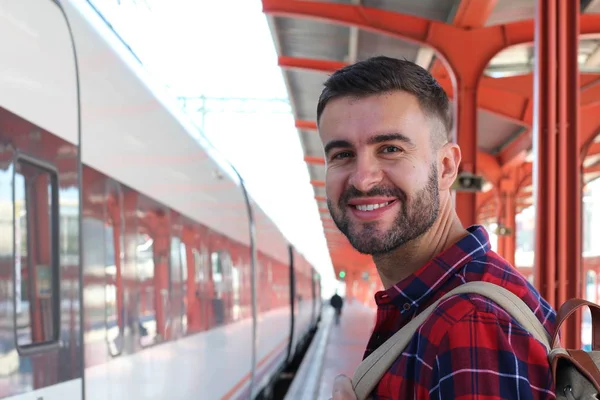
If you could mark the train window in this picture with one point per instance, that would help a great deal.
(175, 271)
(36, 254)
(198, 270)
(69, 237)
(217, 267)
(113, 328)
(146, 306)
(201, 264)
(184, 264)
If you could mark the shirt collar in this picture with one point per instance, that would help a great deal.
(418, 288)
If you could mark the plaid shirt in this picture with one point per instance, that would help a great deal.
(469, 348)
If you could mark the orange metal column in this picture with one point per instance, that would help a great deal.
(509, 220)
(466, 125)
(569, 173)
(500, 217)
(556, 170)
(508, 193)
(544, 146)
(507, 241)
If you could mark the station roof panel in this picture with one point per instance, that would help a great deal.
(372, 44)
(306, 86)
(511, 11)
(308, 38)
(493, 132)
(437, 10)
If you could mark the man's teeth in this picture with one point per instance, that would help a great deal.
(370, 207)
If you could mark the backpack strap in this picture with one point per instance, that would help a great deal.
(370, 371)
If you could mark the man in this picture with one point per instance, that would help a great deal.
(337, 303)
(386, 127)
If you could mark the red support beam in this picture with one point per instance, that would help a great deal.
(558, 163)
(471, 14)
(569, 165)
(311, 64)
(593, 149)
(546, 224)
(314, 160)
(592, 169)
(545, 260)
(590, 125)
(306, 125)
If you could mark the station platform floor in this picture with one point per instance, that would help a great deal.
(335, 350)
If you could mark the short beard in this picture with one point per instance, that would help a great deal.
(417, 215)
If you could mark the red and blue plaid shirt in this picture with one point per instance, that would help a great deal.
(469, 348)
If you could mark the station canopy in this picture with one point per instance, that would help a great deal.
(314, 38)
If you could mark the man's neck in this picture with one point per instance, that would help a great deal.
(400, 263)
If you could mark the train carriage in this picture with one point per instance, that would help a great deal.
(133, 261)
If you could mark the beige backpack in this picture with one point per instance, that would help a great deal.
(575, 372)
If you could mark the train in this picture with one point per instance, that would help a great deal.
(133, 261)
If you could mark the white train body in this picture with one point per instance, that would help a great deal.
(133, 263)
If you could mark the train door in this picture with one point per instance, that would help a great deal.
(203, 288)
(152, 262)
(220, 261)
(192, 304)
(237, 282)
(108, 310)
(178, 275)
(119, 316)
(40, 313)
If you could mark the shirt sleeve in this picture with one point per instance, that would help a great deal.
(485, 356)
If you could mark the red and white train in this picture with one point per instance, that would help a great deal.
(133, 263)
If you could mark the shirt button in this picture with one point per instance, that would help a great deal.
(406, 306)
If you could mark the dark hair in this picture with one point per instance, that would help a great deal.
(384, 74)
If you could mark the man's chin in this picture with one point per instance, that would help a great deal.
(371, 244)
(371, 249)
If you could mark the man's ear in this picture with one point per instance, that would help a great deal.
(449, 157)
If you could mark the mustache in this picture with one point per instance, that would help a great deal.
(382, 191)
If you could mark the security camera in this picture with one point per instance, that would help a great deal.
(503, 230)
(468, 182)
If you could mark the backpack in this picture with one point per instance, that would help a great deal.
(576, 372)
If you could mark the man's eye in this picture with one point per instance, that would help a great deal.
(391, 149)
(341, 155)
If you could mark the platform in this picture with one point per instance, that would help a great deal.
(335, 350)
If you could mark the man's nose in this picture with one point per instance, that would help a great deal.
(366, 175)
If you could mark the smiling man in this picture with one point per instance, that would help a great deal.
(386, 127)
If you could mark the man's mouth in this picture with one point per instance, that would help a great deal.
(371, 207)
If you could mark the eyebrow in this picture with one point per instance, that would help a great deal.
(337, 144)
(373, 140)
(388, 137)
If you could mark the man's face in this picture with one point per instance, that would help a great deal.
(382, 179)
